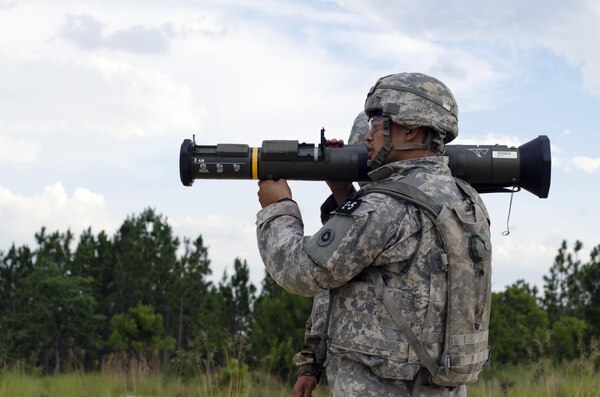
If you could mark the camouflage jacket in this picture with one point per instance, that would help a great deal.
(376, 230)
(307, 360)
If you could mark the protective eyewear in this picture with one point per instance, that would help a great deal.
(375, 122)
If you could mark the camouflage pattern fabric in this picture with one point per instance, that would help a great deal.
(377, 231)
(348, 378)
(415, 100)
(314, 331)
(379, 224)
(360, 126)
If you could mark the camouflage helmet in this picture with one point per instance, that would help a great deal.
(359, 130)
(415, 100)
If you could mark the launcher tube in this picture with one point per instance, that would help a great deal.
(488, 168)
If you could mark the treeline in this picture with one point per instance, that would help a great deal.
(145, 295)
(141, 294)
(561, 323)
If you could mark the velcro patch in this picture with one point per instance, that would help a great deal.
(349, 207)
(321, 246)
(326, 237)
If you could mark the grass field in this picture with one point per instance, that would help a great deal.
(573, 379)
(578, 378)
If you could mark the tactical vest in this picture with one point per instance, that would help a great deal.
(445, 332)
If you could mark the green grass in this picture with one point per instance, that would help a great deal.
(543, 379)
(578, 378)
(78, 384)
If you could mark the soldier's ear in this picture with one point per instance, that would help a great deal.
(410, 134)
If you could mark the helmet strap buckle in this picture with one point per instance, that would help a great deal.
(381, 157)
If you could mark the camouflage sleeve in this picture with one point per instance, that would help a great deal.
(307, 360)
(280, 235)
(308, 351)
(348, 243)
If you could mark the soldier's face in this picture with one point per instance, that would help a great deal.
(374, 137)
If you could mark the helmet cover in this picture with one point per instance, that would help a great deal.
(415, 100)
(359, 129)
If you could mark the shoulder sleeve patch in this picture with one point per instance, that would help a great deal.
(349, 207)
(323, 244)
(325, 237)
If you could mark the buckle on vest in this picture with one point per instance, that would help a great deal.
(439, 261)
(446, 362)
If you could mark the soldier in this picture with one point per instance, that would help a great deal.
(376, 246)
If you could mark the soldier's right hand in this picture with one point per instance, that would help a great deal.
(270, 192)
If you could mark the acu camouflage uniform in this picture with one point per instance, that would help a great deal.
(368, 355)
(381, 231)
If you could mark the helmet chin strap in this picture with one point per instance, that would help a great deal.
(381, 157)
(388, 146)
(384, 152)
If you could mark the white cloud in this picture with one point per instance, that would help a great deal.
(587, 164)
(510, 26)
(88, 33)
(513, 260)
(490, 139)
(531, 259)
(93, 95)
(572, 36)
(251, 82)
(18, 150)
(22, 216)
(7, 3)
(143, 101)
(86, 196)
(477, 82)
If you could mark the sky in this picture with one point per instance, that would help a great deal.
(96, 98)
